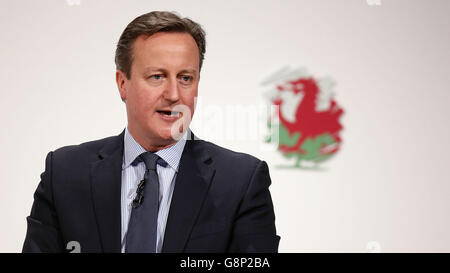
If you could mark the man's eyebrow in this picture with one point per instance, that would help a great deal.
(153, 69)
(192, 71)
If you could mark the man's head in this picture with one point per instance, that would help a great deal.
(158, 58)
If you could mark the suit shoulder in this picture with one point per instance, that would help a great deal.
(235, 169)
(82, 149)
(230, 156)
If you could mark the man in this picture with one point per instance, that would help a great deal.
(154, 187)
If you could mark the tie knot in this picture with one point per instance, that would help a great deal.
(150, 159)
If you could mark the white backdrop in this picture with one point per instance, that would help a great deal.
(387, 189)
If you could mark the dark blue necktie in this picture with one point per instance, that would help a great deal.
(142, 228)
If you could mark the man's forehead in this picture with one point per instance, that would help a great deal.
(169, 52)
(181, 37)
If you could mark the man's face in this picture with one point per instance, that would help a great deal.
(164, 74)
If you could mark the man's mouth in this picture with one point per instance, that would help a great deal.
(169, 114)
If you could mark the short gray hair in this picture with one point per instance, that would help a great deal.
(149, 24)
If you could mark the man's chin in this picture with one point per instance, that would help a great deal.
(172, 136)
(165, 134)
(168, 135)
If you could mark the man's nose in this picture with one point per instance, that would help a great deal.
(171, 91)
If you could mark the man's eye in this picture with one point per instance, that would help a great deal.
(186, 78)
(155, 77)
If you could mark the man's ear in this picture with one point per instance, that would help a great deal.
(121, 80)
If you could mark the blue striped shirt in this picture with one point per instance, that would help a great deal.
(131, 175)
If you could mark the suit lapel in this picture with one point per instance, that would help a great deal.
(105, 188)
(191, 185)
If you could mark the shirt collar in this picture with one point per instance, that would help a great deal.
(133, 149)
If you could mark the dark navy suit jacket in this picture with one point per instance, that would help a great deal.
(221, 201)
